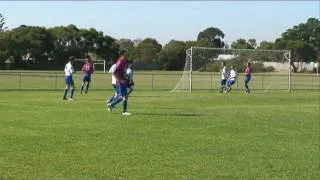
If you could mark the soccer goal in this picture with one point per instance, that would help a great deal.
(271, 68)
(95, 63)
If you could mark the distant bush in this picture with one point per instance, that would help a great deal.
(239, 66)
(211, 67)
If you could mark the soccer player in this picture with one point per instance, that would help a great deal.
(232, 79)
(224, 76)
(68, 71)
(113, 83)
(119, 74)
(87, 70)
(130, 82)
(247, 77)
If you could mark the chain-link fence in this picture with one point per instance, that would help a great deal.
(44, 80)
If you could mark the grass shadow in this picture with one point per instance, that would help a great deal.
(168, 114)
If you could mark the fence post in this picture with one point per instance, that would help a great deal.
(312, 81)
(20, 81)
(262, 81)
(152, 81)
(318, 82)
(56, 82)
(211, 82)
(237, 83)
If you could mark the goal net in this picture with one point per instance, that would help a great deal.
(97, 64)
(271, 68)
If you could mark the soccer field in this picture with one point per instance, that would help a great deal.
(203, 135)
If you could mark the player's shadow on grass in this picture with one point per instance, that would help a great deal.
(169, 114)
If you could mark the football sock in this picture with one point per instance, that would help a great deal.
(124, 106)
(81, 89)
(115, 100)
(65, 93)
(130, 90)
(71, 93)
(87, 88)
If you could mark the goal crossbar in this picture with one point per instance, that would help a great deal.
(261, 50)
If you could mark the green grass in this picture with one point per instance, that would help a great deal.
(203, 135)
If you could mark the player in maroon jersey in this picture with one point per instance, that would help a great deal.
(87, 70)
(120, 74)
(247, 77)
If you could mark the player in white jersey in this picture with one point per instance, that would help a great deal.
(129, 74)
(113, 83)
(224, 76)
(68, 71)
(232, 79)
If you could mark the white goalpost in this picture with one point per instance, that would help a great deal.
(100, 62)
(95, 63)
(202, 65)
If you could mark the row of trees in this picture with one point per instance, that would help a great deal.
(50, 47)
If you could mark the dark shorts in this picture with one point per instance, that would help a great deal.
(115, 89)
(122, 89)
(86, 78)
(223, 82)
(247, 79)
(68, 80)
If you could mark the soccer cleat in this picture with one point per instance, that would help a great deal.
(64, 98)
(71, 99)
(126, 114)
(109, 107)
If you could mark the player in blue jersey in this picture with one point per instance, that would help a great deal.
(68, 71)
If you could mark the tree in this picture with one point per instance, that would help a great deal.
(308, 32)
(303, 40)
(107, 48)
(136, 42)
(211, 37)
(265, 45)
(31, 39)
(87, 39)
(80, 42)
(68, 41)
(252, 43)
(173, 55)
(189, 44)
(244, 44)
(5, 45)
(300, 51)
(56, 44)
(147, 51)
(125, 44)
(2, 23)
